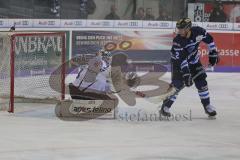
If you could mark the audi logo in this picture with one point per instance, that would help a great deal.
(164, 24)
(25, 23)
(223, 26)
(133, 23)
(51, 22)
(78, 23)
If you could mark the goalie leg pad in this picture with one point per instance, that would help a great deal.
(78, 94)
(72, 110)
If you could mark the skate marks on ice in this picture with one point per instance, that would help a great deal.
(161, 158)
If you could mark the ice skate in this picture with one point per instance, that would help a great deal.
(165, 111)
(210, 111)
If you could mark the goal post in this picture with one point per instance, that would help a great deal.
(27, 61)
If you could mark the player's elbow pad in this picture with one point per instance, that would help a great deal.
(208, 38)
(211, 46)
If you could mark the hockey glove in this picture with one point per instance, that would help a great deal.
(187, 78)
(213, 58)
(132, 79)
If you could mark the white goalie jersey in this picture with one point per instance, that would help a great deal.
(94, 76)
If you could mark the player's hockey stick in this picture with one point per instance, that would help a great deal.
(170, 92)
(157, 99)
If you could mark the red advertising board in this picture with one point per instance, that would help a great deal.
(228, 47)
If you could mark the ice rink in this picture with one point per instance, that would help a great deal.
(36, 134)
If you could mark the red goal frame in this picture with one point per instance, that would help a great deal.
(12, 63)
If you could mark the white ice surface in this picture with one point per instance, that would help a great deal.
(36, 134)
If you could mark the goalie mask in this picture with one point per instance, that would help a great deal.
(183, 27)
(106, 55)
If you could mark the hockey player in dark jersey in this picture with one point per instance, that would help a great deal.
(186, 66)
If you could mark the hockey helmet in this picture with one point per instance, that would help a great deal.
(183, 27)
(184, 23)
(105, 53)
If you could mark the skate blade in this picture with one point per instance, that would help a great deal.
(164, 115)
(212, 117)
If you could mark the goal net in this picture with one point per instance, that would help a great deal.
(30, 67)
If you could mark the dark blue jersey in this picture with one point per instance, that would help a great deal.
(185, 50)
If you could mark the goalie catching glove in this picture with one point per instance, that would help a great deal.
(213, 58)
(132, 79)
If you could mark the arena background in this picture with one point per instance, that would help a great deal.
(150, 39)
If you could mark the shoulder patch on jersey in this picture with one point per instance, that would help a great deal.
(199, 38)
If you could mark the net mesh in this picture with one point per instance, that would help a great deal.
(36, 57)
(4, 70)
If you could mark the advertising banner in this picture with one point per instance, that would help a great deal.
(152, 46)
(100, 23)
(228, 47)
(217, 26)
(3, 23)
(21, 23)
(196, 12)
(157, 24)
(128, 24)
(49, 23)
(138, 45)
(73, 23)
(201, 12)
